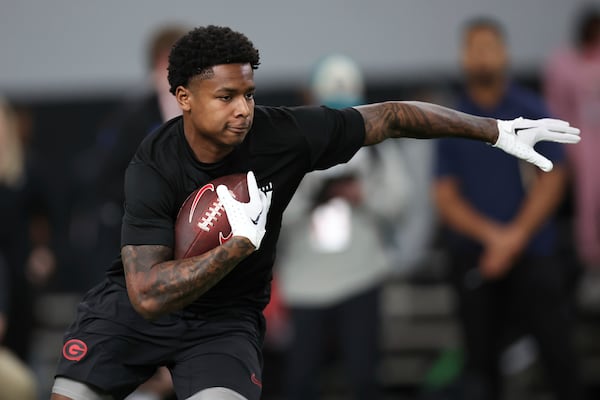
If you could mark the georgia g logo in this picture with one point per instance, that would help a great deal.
(74, 350)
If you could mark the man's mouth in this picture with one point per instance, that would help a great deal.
(239, 128)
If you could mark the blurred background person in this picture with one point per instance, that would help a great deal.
(25, 237)
(122, 132)
(572, 83)
(501, 236)
(117, 141)
(333, 259)
(26, 258)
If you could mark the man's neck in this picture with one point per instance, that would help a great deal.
(204, 150)
(487, 96)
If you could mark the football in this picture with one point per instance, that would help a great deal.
(202, 223)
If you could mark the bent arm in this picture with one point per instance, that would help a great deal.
(157, 284)
(458, 213)
(542, 201)
(423, 120)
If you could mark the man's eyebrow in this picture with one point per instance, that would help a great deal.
(234, 90)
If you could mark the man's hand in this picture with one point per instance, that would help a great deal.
(247, 219)
(41, 264)
(517, 137)
(502, 246)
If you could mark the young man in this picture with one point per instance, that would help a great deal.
(501, 244)
(202, 316)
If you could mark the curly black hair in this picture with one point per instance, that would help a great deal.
(204, 47)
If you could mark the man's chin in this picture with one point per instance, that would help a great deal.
(485, 79)
(234, 138)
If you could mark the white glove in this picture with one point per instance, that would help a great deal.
(517, 137)
(247, 219)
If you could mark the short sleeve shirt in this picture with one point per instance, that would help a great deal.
(490, 180)
(282, 146)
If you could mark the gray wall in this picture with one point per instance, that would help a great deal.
(67, 46)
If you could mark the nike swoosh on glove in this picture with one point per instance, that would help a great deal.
(517, 137)
(247, 219)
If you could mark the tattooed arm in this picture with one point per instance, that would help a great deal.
(157, 284)
(423, 120)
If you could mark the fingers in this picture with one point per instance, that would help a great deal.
(566, 129)
(252, 185)
(569, 130)
(247, 219)
(253, 191)
(518, 137)
(257, 196)
(223, 193)
(521, 123)
(558, 137)
(539, 133)
(267, 201)
(540, 161)
(551, 124)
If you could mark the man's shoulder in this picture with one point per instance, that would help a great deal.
(529, 101)
(307, 118)
(523, 92)
(284, 121)
(281, 113)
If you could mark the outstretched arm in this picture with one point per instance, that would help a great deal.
(424, 120)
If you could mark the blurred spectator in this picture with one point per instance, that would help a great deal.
(26, 261)
(501, 234)
(123, 131)
(24, 232)
(572, 85)
(117, 141)
(333, 258)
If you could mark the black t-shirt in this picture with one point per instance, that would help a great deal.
(282, 146)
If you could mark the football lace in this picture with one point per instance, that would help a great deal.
(210, 216)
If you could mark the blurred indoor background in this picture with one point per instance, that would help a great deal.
(67, 67)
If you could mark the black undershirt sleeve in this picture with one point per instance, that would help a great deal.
(149, 202)
(333, 136)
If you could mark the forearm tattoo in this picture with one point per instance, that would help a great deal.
(423, 120)
(154, 279)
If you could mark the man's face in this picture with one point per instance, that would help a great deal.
(160, 74)
(484, 56)
(220, 104)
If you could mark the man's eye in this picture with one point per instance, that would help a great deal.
(250, 96)
(225, 98)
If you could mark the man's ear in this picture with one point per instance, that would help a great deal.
(182, 95)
